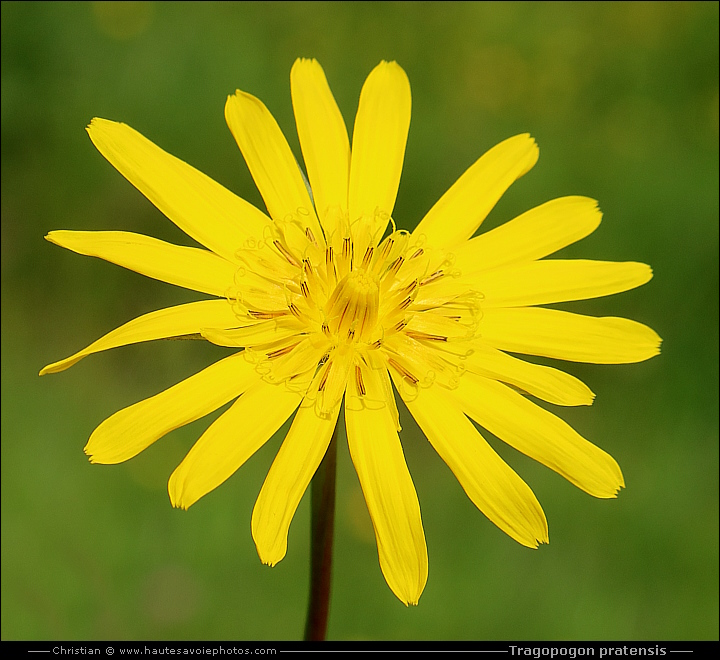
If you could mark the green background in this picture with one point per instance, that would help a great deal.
(623, 100)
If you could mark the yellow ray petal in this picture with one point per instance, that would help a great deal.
(388, 489)
(323, 139)
(263, 332)
(288, 478)
(133, 429)
(533, 235)
(233, 438)
(270, 161)
(567, 336)
(488, 481)
(169, 322)
(460, 211)
(558, 280)
(192, 268)
(539, 434)
(546, 383)
(202, 208)
(378, 145)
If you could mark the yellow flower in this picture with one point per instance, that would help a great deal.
(327, 304)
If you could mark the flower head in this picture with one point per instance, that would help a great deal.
(327, 301)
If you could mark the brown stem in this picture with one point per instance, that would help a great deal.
(323, 518)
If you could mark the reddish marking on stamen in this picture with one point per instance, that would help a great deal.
(324, 377)
(414, 334)
(418, 252)
(286, 253)
(342, 315)
(405, 373)
(310, 236)
(329, 263)
(294, 310)
(431, 278)
(395, 265)
(266, 316)
(359, 381)
(367, 258)
(410, 287)
(387, 247)
(405, 303)
(280, 352)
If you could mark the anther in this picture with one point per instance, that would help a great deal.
(280, 352)
(310, 236)
(414, 334)
(387, 247)
(367, 258)
(431, 278)
(410, 287)
(266, 316)
(324, 377)
(330, 264)
(286, 253)
(395, 266)
(405, 373)
(417, 253)
(359, 380)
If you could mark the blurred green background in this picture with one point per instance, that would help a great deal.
(623, 100)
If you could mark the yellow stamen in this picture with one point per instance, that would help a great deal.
(403, 371)
(367, 258)
(359, 380)
(265, 316)
(431, 278)
(424, 335)
(280, 351)
(286, 253)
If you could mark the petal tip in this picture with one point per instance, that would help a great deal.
(178, 504)
(99, 129)
(175, 492)
(52, 237)
(92, 454)
(309, 62)
(391, 68)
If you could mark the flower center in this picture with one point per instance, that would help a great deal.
(352, 310)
